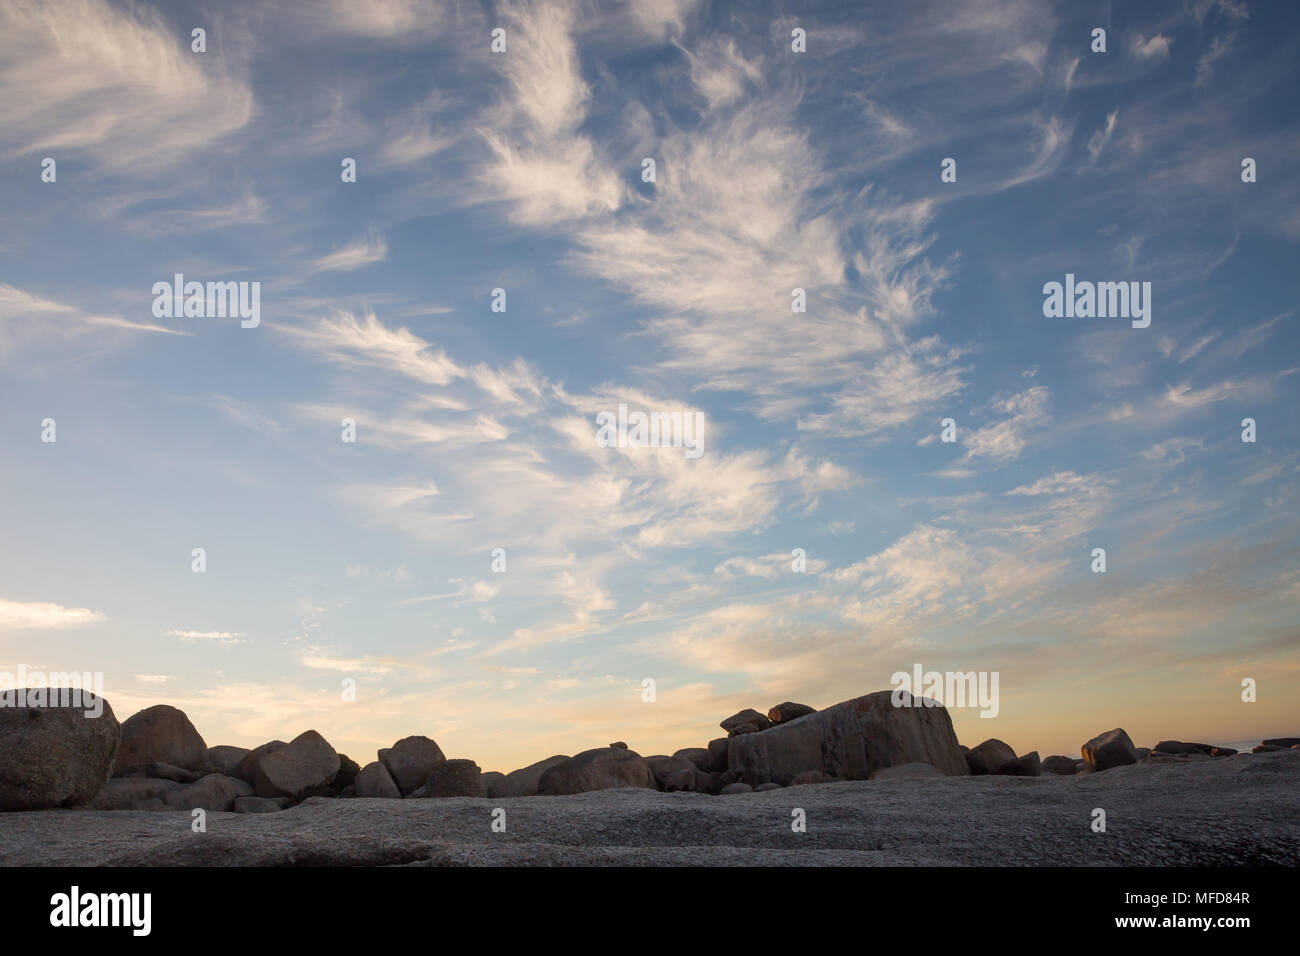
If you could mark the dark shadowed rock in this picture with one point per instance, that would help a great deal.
(619, 744)
(673, 773)
(258, 804)
(224, 759)
(718, 750)
(1144, 752)
(54, 755)
(1111, 749)
(494, 783)
(749, 717)
(1027, 766)
(849, 741)
(906, 771)
(605, 768)
(453, 778)
(699, 756)
(214, 792)
(302, 768)
(708, 782)
(129, 793)
(764, 787)
(347, 774)
(810, 777)
(1060, 765)
(989, 757)
(1179, 747)
(788, 711)
(160, 734)
(161, 771)
(523, 782)
(736, 788)
(1262, 749)
(246, 769)
(410, 762)
(374, 780)
(1284, 742)
(1226, 751)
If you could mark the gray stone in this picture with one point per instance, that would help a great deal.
(907, 771)
(347, 775)
(736, 788)
(54, 756)
(246, 769)
(410, 762)
(224, 759)
(990, 757)
(160, 734)
(373, 780)
(523, 782)
(718, 750)
(764, 787)
(298, 770)
(130, 793)
(494, 783)
(849, 741)
(453, 778)
(1057, 764)
(747, 716)
(258, 804)
(810, 777)
(605, 768)
(700, 756)
(1111, 749)
(215, 792)
(162, 771)
(673, 774)
(788, 711)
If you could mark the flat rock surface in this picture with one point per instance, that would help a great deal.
(1233, 811)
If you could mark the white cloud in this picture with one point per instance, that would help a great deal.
(44, 616)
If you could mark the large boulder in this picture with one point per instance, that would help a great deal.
(374, 780)
(673, 773)
(494, 783)
(605, 768)
(788, 711)
(160, 734)
(1060, 765)
(718, 751)
(1179, 747)
(1030, 765)
(410, 761)
(523, 782)
(214, 792)
(990, 757)
(1284, 742)
(849, 741)
(224, 759)
(453, 778)
(748, 717)
(699, 756)
(347, 774)
(246, 769)
(1114, 748)
(53, 754)
(302, 768)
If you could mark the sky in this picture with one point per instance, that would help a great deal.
(368, 564)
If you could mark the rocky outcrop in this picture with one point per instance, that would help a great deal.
(1111, 749)
(849, 741)
(605, 768)
(300, 769)
(374, 780)
(54, 755)
(494, 783)
(215, 792)
(246, 769)
(990, 757)
(672, 774)
(225, 759)
(906, 771)
(524, 781)
(747, 721)
(788, 711)
(1060, 765)
(131, 793)
(160, 734)
(452, 778)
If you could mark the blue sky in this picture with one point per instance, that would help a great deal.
(775, 170)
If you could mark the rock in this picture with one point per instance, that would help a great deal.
(784, 713)
(411, 761)
(1027, 766)
(128, 793)
(1226, 751)
(764, 787)
(1286, 743)
(453, 778)
(214, 792)
(906, 771)
(161, 771)
(347, 774)
(736, 788)
(718, 750)
(990, 757)
(494, 783)
(605, 768)
(1111, 749)
(849, 741)
(810, 777)
(523, 782)
(348, 792)
(258, 804)
(302, 768)
(1061, 765)
(708, 782)
(746, 716)
(160, 734)
(1178, 747)
(225, 759)
(1267, 748)
(246, 769)
(373, 780)
(673, 773)
(699, 756)
(619, 744)
(743, 729)
(53, 755)
(728, 777)
(1142, 752)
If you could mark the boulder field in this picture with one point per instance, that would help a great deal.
(60, 757)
